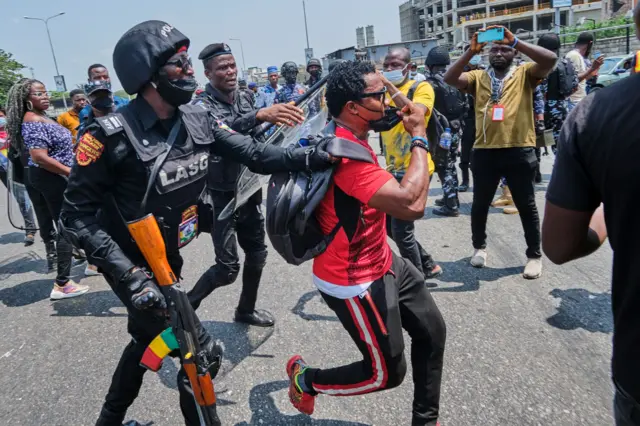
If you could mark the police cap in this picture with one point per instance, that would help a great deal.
(96, 86)
(213, 50)
(439, 55)
(142, 50)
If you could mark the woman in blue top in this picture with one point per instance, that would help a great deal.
(50, 150)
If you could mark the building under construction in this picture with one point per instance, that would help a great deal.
(453, 21)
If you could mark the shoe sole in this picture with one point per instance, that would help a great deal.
(532, 277)
(68, 295)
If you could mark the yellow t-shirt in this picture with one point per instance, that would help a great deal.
(397, 141)
(517, 128)
(71, 121)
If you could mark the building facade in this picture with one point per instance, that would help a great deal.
(454, 21)
(376, 53)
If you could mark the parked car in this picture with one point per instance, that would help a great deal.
(613, 69)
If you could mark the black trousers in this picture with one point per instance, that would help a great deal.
(143, 326)
(45, 220)
(51, 187)
(374, 320)
(625, 408)
(402, 232)
(518, 166)
(244, 228)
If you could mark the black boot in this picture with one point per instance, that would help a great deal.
(465, 180)
(440, 202)
(109, 418)
(246, 311)
(52, 256)
(449, 209)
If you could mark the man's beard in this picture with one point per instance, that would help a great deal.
(501, 66)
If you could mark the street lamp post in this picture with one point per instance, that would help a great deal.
(244, 66)
(55, 62)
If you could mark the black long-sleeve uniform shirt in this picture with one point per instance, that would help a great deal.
(114, 170)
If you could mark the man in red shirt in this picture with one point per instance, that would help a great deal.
(374, 292)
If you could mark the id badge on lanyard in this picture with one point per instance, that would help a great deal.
(497, 113)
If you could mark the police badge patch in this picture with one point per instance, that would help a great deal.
(89, 150)
(222, 125)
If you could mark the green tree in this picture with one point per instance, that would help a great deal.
(9, 74)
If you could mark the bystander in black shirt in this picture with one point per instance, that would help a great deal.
(597, 162)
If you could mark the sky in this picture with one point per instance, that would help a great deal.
(272, 32)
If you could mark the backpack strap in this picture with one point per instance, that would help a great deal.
(343, 148)
(412, 90)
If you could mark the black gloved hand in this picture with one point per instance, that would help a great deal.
(144, 292)
(314, 156)
(540, 128)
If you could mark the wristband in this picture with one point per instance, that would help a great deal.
(419, 141)
(515, 43)
(396, 94)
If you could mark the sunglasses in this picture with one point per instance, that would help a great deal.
(380, 94)
(183, 62)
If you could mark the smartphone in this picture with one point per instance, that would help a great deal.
(491, 35)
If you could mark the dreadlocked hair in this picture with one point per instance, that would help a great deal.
(16, 108)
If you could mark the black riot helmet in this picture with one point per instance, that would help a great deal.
(143, 50)
(314, 61)
(439, 55)
(289, 72)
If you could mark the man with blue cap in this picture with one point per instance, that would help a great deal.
(266, 95)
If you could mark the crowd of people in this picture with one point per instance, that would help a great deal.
(81, 175)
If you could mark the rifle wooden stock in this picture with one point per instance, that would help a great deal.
(146, 233)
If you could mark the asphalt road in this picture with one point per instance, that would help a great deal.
(518, 352)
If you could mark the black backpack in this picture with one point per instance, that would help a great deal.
(562, 81)
(292, 198)
(450, 101)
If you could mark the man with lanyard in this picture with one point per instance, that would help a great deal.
(266, 95)
(505, 139)
(291, 90)
(396, 142)
(223, 97)
(156, 134)
(452, 104)
(374, 293)
(98, 73)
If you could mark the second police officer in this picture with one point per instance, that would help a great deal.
(111, 177)
(291, 90)
(246, 226)
(449, 102)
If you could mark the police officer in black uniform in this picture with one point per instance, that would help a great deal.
(223, 97)
(449, 102)
(156, 134)
(469, 133)
(314, 68)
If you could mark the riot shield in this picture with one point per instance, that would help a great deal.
(316, 113)
(19, 207)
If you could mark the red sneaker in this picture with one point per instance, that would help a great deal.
(303, 401)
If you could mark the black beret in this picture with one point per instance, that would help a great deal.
(142, 50)
(215, 49)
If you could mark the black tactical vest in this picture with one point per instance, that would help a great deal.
(175, 194)
(224, 173)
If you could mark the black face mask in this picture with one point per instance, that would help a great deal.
(387, 122)
(176, 92)
(315, 74)
(103, 104)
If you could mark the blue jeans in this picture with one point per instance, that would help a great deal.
(19, 193)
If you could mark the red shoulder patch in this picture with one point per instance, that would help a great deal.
(89, 149)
